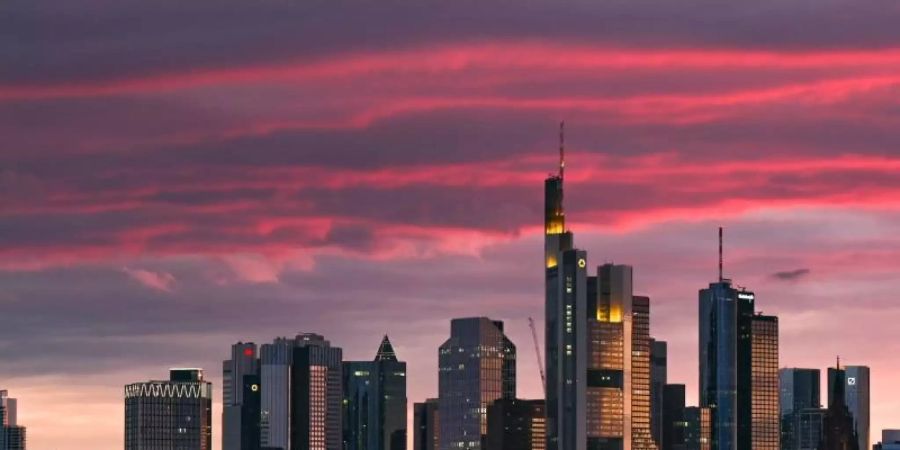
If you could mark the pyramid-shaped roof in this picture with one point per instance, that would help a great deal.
(385, 351)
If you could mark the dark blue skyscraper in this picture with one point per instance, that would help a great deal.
(477, 365)
(375, 402)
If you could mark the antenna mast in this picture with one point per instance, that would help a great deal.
(562, 148)
(720, 255)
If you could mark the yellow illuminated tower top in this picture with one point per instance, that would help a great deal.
(556, 238)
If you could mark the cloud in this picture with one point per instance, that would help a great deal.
(155, 280)
(791, 275)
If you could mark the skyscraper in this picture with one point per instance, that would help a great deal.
(658, 380)
(641, 436)
(838, 430)
(426, 425)
(738, 352)
(516, 424)
(375, 402)
(275, 399)
(315, 394)
(565, 316)
(800, 408)
(890, 440)
(856, 397)
(673, 423)
(477, 365)
(698, 423)
(766, 419)
(172, 414)
(240, 416)
(597, 344)
(12, 435)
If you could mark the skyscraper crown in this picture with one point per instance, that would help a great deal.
(385, 351)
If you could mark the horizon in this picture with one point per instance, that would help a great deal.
(175, 178)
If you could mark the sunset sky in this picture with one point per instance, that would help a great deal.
(177, 176)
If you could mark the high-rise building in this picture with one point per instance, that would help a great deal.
(315, 394)
(738, 352)
(641, 432)
(838, 430)
(673, 423)
(12, 435)
(477, 365)
(171, 414)
(240, 416)
(658, 380)
(426, 425)
(597, 344)
(375, 402)
(698, 422)
(800, 406)
(564, 331)
(766, 419)
(515, 424)
(275, 399)
(856, 397)
(890, 440)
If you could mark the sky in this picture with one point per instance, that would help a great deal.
(179, 176)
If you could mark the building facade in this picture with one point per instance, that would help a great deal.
(658, 380)
(516, 424)
(316, 394)
(12, 435)
(175, 414)
(240, 416)
(426, 425)
(856, 397)
(838, 425)
(477, 365)
(765, 412)
(375, 402)
(800, 406)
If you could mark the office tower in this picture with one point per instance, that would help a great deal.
(838, 431)
(673, 423)
(315, 394)
(171, 414)
(658, 380)
(766, 418)
(565, 322)
(800, 408)
(698, 423)
(375, 402)
(515, 424)
(426, 425)
(738, 351)
(641, 435)
(240, 417)
(856, 397)
(477, 365)
(890, 440)
(275, 378)
(12, 435)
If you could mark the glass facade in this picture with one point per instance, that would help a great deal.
(426, 425)
(476, 367)
(515, 424)
(169, 415)
(766, 418)
(375, 402)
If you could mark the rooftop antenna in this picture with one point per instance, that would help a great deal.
(720, 255)
(562, 148)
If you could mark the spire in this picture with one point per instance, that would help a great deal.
(385, 351)
(562, 148)
(720, 256)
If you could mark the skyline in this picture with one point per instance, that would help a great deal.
(210, 174)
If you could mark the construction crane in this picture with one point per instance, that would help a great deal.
(537, 351)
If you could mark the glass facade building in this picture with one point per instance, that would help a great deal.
(856, 397)
(515, 424)
(766, 417)
(375, 402)
(476, 366)
(426, 425)
(658, 380)
(800, 405)
(240, 416)
(316, 395)
(169, 415)
(12, 435)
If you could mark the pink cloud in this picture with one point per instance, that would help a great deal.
(161, 281)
